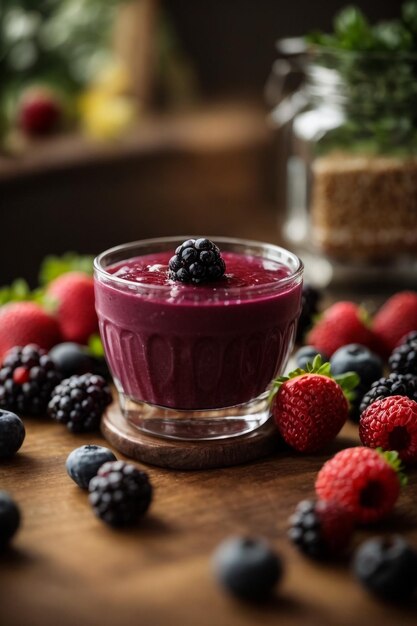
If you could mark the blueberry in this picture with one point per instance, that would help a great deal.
(387, 567)
(247, 567)
(12, 434)
(9, 518)
(83, 463)
(306, 354)
(356, 358)
(71, 358)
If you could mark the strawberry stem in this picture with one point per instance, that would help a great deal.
(347, 381)
(393, 459)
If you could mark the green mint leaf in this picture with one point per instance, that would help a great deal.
(54, 266)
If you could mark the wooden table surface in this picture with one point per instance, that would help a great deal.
(67, 568)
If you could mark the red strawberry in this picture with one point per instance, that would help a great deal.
(395, 319)
(73, 294)
(26, 322)
(310, 407)
(322, 528)
(391, 424)
(366, 482)
(341, 324)
(40, 112)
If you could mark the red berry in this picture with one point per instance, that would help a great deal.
(40, 112)
(337, 526)
(21, 375)
(73, 293)
(341, 324)
(22, 323)
(321, 528)
(309, 411)
(395, 319)
(391, 424)
(361, 480)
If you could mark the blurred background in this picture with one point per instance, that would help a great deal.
(121, 120)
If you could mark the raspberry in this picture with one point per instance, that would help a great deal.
(79, 402)
(27, 379)
(120, 493)
(392, 385)
(391, 424)
(403, 360)
(321, 529)
(247, 567)
(363, 481)
(196, 261)
(387, 567)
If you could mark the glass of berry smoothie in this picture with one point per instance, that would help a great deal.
(195, 331)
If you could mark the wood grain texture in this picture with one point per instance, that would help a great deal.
(67, 568)
(186, 455)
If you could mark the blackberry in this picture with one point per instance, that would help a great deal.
(12, 434)
(403, 359)
(196, 261)
(387, 567)
(27, 379)
(321, 529)
(79, 402)
(83, 463)
(120, 493)
(393, 385)
(9, 518)
(247, 567)
(310, 300)
(409, 338)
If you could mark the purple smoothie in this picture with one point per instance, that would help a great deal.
(197, 347)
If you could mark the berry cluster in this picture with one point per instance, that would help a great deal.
(27, 378)
(196, 261)
(119, 492)
(358, 485)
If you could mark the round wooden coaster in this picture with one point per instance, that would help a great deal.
(186, 455)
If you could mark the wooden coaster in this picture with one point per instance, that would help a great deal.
(186, 455)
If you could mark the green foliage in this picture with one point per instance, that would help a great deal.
(18, 291)
(393, 459)
(53, 266)
(57, 42)
(377, 67)
(95, 346)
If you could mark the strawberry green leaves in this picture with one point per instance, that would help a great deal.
(348, 381)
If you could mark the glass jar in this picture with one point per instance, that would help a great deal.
(349, 141)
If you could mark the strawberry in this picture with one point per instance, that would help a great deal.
(365, 481)
(321, 528)
(22, 323)
(341, 324)
(310, 407)
(391, 424)
(73, 295)
(395, 319)
(40, 112)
